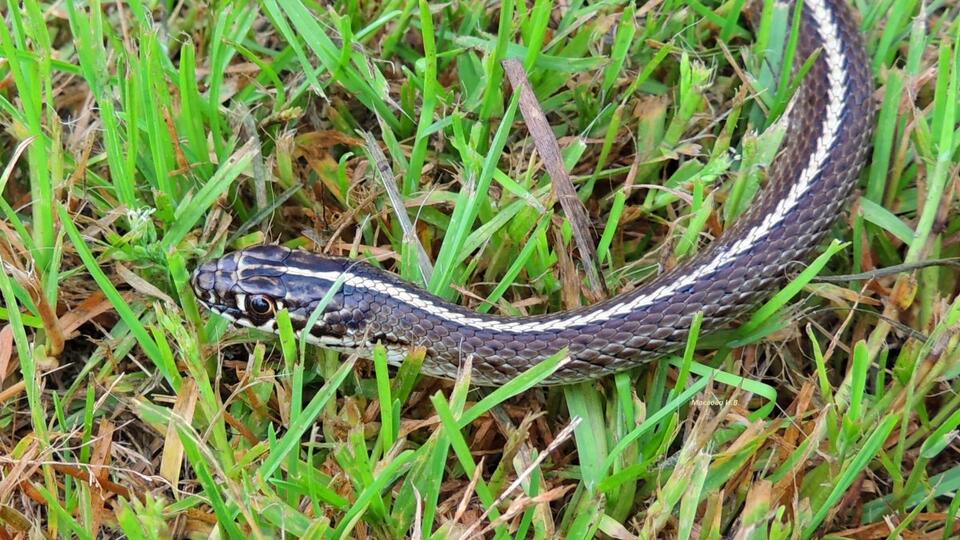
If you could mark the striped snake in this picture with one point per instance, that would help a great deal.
(829, 125)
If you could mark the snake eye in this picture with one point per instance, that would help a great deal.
(260, 305)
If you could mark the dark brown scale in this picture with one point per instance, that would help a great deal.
(599, 348)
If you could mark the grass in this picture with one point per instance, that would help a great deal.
(143, 137)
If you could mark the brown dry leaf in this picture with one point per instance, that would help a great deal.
(690, 149)
(6, 350)
(749, 437)
(104, 485)
(378, 253)
(326, 168)
(468, 492)
(758, 503)
(184, 408)
(283, 401)
(30, 490)
(199, 522)
(14, 390)
(236, 424)
(841, 295)
(23, 466)
(785, 488)
(568, 272)
(95, 305)
(12, 517)
(48, 315)
(409, 426)
(100, 459)
(712, 518)
(649, 6)
(615, 529)
(882, 529)
(141, 285)
(904, 292)
(793, 433)
(99, 462)
(183, 164)
(520, 504)
(318, 140)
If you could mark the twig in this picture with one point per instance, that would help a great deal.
(396, 201)
(549, 149)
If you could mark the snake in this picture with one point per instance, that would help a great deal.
(829, 124)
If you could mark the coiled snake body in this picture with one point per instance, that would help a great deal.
(830, 123)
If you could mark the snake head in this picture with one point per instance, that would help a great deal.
(250, 286)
